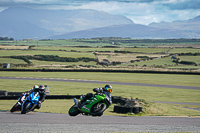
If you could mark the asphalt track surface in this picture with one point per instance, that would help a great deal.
(51, 122)
(104, 82)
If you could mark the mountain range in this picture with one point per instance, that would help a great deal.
(25, 23)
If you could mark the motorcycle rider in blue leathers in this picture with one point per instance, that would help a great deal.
(41, 90)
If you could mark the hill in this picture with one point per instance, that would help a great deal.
(25, 23)
(191, 25)
(128, 30)
(20, 23)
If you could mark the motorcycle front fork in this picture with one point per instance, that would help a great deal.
(75, 101)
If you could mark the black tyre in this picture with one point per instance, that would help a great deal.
(26, 108)
(15, 107)
(73, 111)
(98, 109)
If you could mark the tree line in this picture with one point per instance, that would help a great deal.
(53, 58)
(6, 39)
(129, 40)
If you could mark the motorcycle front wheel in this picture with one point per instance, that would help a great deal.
(26, 107)
(15, 107)
(73, 111)
(98, 109)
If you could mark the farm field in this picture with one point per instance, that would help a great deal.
(99, 42)
(34, 52)
(185, 50)
(22, 54)
(13, 61)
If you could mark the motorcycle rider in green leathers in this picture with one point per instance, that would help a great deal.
(105, 90)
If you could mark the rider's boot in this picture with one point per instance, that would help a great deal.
(81, 102)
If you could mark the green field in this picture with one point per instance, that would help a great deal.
(53, 43)
(185, 50)
(148, 93)
(14, 61)
(125, 59)
(98, 42)
(190, 58)
(147, 50)
(59, 64)
(76, 49)
(168, 79)
(33, 52)
(109, 53)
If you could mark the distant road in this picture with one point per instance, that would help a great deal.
(53, 123)
(104, 82)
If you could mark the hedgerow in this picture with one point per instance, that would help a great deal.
(53, 58)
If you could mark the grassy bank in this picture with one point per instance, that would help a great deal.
(153, 109)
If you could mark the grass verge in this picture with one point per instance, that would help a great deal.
(168, 79)
(151, 109)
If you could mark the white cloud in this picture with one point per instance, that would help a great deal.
(140, 11)
(3, 8)
(145, 13)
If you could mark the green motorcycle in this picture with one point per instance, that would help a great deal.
(94, 107)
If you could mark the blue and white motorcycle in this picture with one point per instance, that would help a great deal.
(30, 102)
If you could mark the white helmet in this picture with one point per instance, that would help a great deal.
(35, 87)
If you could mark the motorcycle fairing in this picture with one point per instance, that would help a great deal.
(89, 103)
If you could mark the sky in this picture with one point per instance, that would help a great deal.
(139, 11)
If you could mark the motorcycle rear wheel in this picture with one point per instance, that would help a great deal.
(73, 111)
(98, 109)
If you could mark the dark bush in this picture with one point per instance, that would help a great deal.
(53, 58)
(187, 62)
(146, 57)
(25, 58)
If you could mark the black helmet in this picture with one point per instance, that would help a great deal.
(108, 88)
(41, 88)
